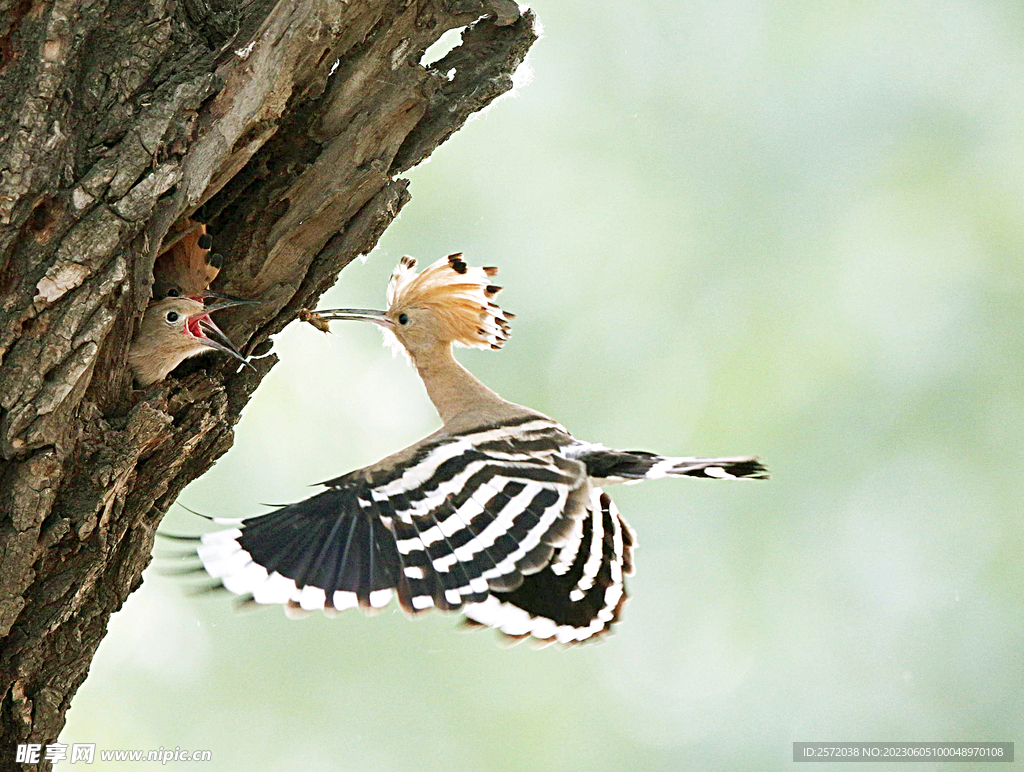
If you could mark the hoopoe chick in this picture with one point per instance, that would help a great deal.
(500, 513)
(187, 268)
(172, 330)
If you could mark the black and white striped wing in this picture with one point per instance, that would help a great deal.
(324, 552)
(580, 594)
(463, 516)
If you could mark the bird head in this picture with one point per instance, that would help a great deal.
(172, 330)
(187, 267)
(447, 303)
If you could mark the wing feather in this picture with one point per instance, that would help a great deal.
(578, 596)
(463, 516)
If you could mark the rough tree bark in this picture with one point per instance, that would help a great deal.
(283, 125)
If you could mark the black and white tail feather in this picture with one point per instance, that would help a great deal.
(606, 466)
(505, 522)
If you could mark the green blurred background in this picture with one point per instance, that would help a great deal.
(792, 229)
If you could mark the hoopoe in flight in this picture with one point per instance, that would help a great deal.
(500, 513)
(177, 324)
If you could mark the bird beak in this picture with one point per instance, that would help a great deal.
(357, 314)
(222, 343)
(225, 301)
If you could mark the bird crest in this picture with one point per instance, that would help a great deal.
(187, 267)
(459, 296)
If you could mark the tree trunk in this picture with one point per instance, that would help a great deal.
(283, 125)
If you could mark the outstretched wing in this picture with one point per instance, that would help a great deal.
(461, 517)
(580, 594)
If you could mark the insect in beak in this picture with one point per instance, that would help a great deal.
(357, 314)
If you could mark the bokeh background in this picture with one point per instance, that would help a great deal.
(785, 228)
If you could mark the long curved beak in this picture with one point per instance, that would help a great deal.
(357, 314)
(225, 301)
(222, 343)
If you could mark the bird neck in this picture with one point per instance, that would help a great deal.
(152, 358)
(451, 387)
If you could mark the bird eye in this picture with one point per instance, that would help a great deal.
(172, 316)
(173, 293)
(403, 318)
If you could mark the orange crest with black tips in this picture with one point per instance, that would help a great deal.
(187, 267)
(458, 295)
